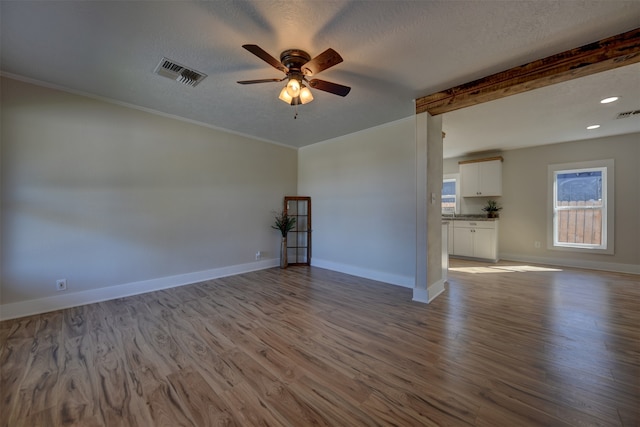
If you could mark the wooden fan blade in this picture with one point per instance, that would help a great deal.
(326, 59)
(326, 86)
(250, 82)
(260, 53)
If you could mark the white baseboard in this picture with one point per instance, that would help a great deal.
(436, 289)
(420, 295)
(73, 299)
(429, 294)
(394, 279)
(576, 263)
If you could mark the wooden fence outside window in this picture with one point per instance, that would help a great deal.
(580, 225)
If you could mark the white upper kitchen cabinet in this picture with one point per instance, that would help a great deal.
(481, 178)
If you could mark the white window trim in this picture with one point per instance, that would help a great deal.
(602, 209)
(608, 194)
(455, 176)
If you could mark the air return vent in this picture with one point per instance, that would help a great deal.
(178, 72)
(628, 114)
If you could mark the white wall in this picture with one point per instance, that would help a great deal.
(364, 202)
(524, 217)
(120, 201)
(104, 195)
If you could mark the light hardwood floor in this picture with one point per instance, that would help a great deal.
(503, 346)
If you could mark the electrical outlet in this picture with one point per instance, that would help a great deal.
(61, 285)
(536, 244)
(258, 255)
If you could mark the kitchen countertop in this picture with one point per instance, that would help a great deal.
(465, 217)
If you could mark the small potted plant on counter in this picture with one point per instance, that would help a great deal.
(492, 209)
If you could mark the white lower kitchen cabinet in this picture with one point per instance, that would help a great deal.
(476, 239)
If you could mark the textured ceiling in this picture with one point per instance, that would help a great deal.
(394, 51)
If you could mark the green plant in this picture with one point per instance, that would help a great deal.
(284, 223)
(492, 206)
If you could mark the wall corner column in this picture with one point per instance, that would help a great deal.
(429, 276)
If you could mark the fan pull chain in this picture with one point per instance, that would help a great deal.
(296, 115)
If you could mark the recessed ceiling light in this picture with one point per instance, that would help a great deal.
(593, 127)
(608, 100)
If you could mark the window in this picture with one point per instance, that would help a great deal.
(450, 191)
(581, 204)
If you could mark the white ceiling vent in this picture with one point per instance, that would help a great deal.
(178, 72)
(628, 114)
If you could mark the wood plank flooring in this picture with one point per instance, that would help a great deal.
(505, 345)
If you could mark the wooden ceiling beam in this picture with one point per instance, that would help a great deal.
(603, 55)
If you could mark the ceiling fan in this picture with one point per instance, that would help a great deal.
(298, 65)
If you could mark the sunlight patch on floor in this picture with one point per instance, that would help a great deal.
(502, 269)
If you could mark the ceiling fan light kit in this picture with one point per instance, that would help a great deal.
(284, 96)
(293, 87)
(305, 95)
(298, 65)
